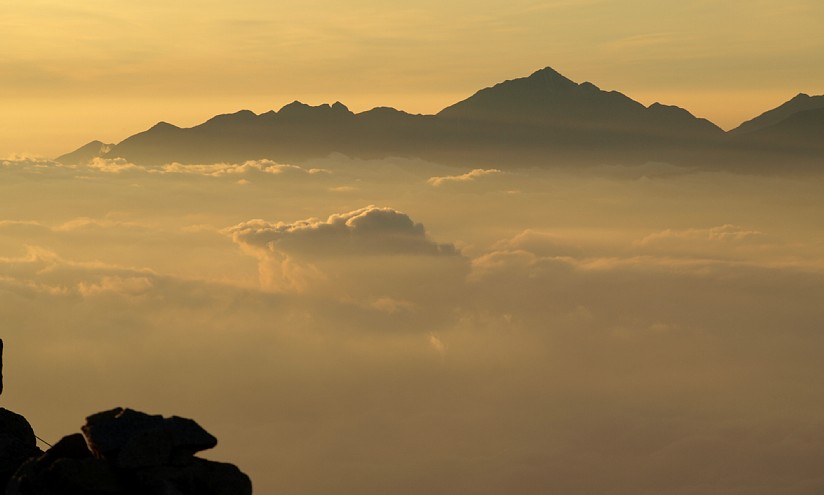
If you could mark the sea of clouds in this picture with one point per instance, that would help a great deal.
(395, 326)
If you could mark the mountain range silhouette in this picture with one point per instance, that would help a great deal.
(544, 119)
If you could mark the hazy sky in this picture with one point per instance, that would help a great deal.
(75, 71)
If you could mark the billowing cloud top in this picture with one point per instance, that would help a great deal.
(370, 230)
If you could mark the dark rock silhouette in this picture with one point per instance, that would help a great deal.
(544, 119)
(17, 444)
(134, 439)
(123, 451)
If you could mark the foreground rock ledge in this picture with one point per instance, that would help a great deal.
(123, 451)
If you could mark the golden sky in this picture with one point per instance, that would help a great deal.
(75, 71)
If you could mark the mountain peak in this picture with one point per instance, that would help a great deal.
(547, 72)
(546, 97)
(551, 76)
(163, 126)
(588, 86)
(300, 110)
(340, 107)
(294, 106)
(801, 96)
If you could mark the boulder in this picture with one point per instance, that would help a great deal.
(108, 432)
(133, 439)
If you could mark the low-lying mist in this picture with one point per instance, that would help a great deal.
(396, 326)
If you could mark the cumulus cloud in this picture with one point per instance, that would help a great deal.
(372, 251)
(470, 176)
(366, 231)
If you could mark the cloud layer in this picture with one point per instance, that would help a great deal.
(631, 332)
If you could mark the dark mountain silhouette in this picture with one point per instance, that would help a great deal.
(801, 132)
(544, 119)
(296, 132)
(548, 117)
(546, 98)
(799, 103)
(788, 137)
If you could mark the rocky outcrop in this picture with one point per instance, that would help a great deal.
(123, 451)
(120, 452)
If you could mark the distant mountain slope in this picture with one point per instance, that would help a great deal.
(799, 103)
(162, 143)
(85, 153)
(801, 132)
(544, 119)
